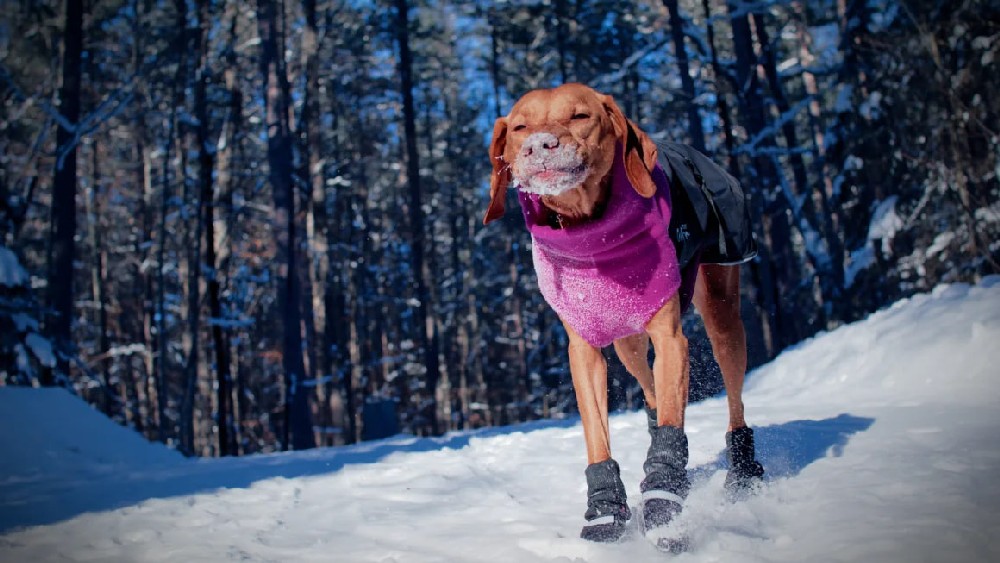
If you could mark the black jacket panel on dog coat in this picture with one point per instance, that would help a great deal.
(710, 219)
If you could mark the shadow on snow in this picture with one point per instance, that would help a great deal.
(42, 502)
(784, 449)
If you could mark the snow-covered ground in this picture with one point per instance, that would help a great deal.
(881, 441)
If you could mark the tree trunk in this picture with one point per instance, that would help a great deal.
(762, 182)
(687, 83)
(298, 423)
(560, 17)
(192, 244)
(854, 17)
(495, 61)
(62, 251)
(820, 196)
(98, 281)
(337, 332)
(454, 359)
(722, 106)
(144, 282)
(426, 328)
(821, 264)
(162, 352)
(144, 242)
(769, 64)
(315, 261)
(227, 162)
(206, 204)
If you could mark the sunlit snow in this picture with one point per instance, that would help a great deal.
(880, 440)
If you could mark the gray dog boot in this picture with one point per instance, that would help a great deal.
(745, 472)
(607, 508)
(666, 484)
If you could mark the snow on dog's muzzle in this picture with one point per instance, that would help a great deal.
(546, 166)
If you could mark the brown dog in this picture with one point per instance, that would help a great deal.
(566, 149)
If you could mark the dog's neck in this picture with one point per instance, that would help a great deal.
(579, 205)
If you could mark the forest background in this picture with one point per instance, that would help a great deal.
(241, 227)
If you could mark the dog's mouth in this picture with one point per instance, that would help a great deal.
(551, 181)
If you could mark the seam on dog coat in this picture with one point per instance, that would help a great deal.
(607, 278)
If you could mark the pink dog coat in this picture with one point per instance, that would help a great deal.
(607, 278)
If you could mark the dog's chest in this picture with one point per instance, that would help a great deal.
(606, 277)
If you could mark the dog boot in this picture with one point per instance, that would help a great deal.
(745, 472)
(607, 508)
(666, 484)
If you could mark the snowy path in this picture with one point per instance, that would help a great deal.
(880, 439)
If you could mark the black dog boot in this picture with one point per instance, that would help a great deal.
(607, 508)
(666, 484)
(745, 472)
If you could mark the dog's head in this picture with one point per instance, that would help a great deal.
(560, 142)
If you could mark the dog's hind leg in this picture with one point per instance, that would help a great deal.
(717, 297)
(633, 351)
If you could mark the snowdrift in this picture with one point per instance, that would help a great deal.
(49, 433)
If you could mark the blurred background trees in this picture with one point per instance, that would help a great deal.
(241, 227)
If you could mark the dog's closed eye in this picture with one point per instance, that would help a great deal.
(581, 116)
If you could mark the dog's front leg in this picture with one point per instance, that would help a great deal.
(670, 367)
(590, 381)
(607, 512)
(666, 483)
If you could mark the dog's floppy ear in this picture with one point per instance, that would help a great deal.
(638, 150)
(501, 176)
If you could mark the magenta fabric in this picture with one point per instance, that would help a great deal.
(607, 278)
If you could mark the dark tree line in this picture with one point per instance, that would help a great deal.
(239, 227)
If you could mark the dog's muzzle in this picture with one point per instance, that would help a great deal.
(547, 166)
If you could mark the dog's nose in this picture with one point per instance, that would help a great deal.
(539, 142)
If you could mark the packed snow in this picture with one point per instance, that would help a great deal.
(880, 441)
